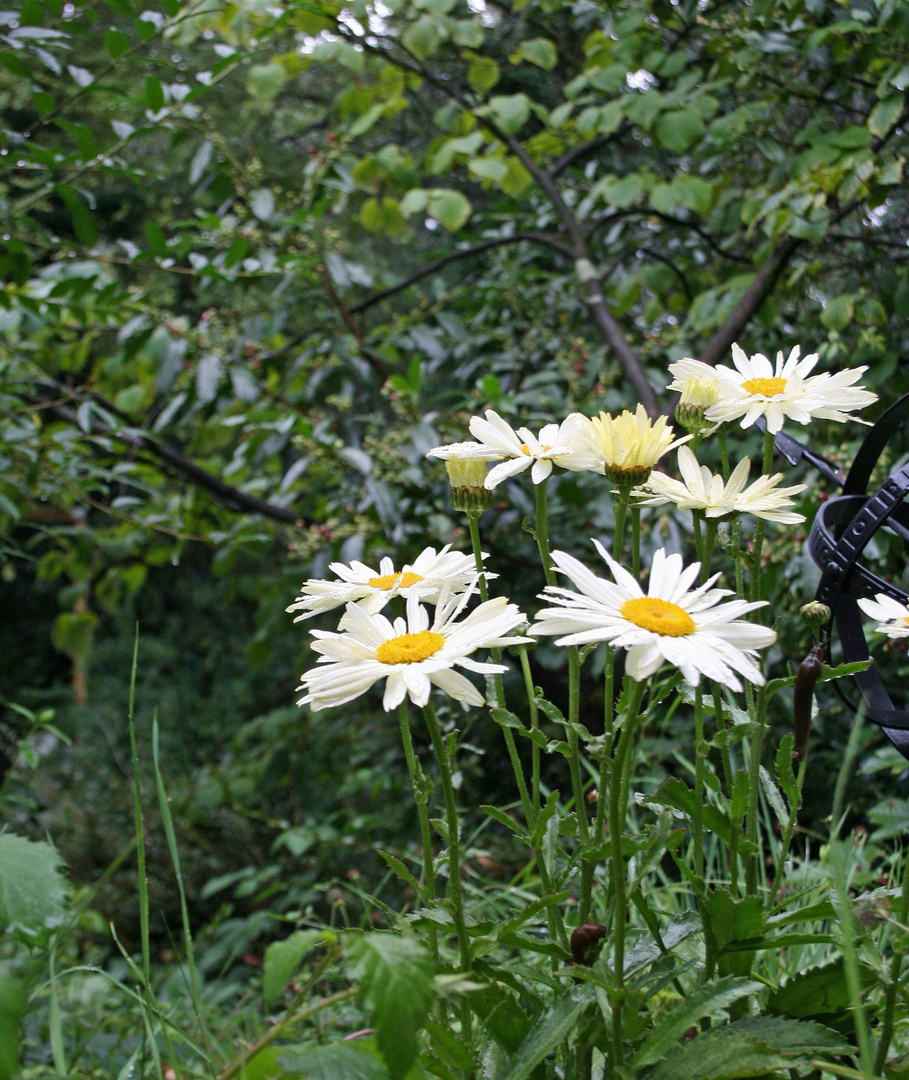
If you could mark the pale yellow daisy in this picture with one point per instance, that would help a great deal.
(629, 445)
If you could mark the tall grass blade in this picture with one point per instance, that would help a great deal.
(167, 820)
(56, 1024)
(140, 824)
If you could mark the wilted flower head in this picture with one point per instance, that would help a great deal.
(700, 489)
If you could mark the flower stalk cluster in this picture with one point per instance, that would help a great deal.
(686, 630)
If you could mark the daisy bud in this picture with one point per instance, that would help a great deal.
(698, 395)
(815, 614)
(468, 488)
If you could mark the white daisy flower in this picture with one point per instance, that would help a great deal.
(567, 445)
(691, 630)
(424, 579)
(700, 489)
(630, 444)
(787, 389)
(892, 616)
(410, 655)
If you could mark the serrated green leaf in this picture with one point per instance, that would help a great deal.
(340, 1061)
(397, 989)
(282, 958)
(719, 1054)
(450, 1048)
(32, 885)
(547, 1033)
(504, 1019)
(821, 991)
(704, 1001)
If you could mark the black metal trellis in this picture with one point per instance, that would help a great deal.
(842, 529)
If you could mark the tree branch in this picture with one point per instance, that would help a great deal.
(224, 493)
(460, 253)
(580, 253)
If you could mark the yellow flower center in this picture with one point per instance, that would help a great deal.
(660, 616)
(409, 648)
(767, 387)
(390, 581)
(525, 449)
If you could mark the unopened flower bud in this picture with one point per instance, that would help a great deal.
(466, 472)
(815, 614)
(697, 397)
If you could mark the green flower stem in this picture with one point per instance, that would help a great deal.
(617, 811)
(709, 544)
(759, 524)
(618, 539)
(473, 521)
(724, 453)
(739, 558)
(700, 756)
(420, 786)
(574, 760)
(696, 528)
(513, 756)
(756, 710)
(896, 963)
(530, 804)
(838, 857)
(786, 840)
(541, 532)
(636, 541)
(454, 842)
(721, 727)
(608, 728)
(535, 798)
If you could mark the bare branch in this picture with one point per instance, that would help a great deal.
(224, 493)
(460, 253)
